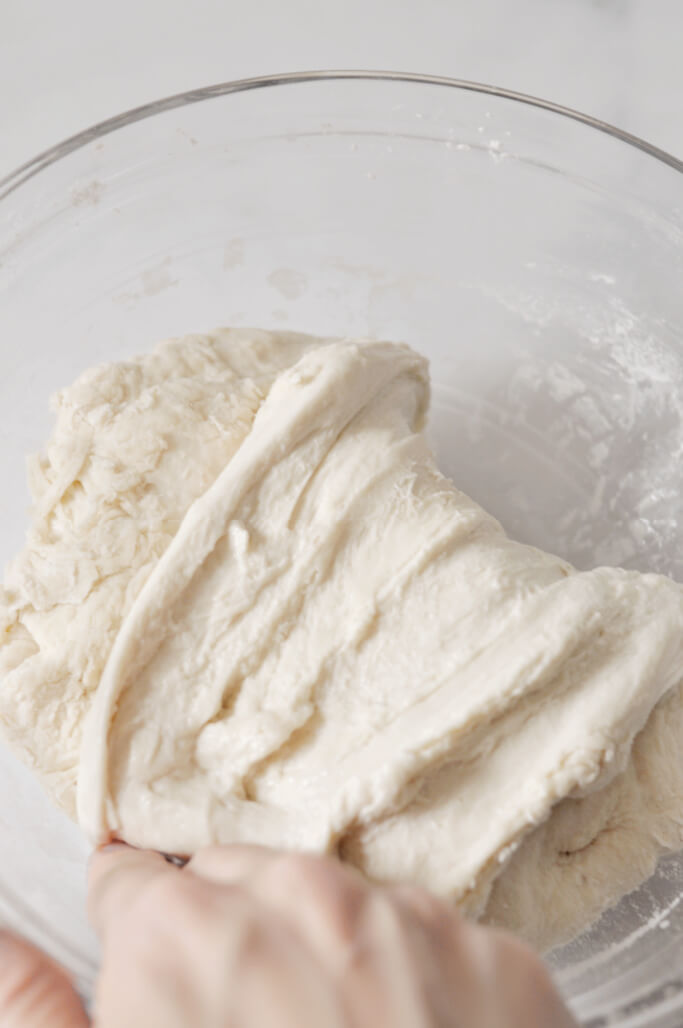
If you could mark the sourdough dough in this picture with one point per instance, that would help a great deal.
(251, 608)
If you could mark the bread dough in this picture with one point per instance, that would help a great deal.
(250, 608)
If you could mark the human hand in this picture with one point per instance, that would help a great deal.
(245, 937)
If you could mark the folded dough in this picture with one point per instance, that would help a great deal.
(250, 608)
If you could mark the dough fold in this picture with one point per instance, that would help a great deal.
(250, 608)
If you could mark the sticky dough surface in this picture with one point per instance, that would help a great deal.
(250, 608)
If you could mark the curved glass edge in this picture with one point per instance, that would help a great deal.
(26, 171)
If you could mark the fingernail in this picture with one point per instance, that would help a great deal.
(170, 858)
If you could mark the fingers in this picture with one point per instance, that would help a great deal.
(119, 876)
(321, 896)
(197, 945)
(438, 924)
(251, 930)
(35, 992)
(318, 895)
(230, 865)
(424, 905)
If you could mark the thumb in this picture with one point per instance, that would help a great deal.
(34, 991)
(119, 876)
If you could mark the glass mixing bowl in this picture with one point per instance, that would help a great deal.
(534, 255)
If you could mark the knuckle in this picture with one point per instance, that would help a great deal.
(329, 894)
(217, 861)
(440, 923)
(424, 904)
(294, 869)
(311, 874)
(341, 904)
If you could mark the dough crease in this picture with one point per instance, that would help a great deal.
(250, 608)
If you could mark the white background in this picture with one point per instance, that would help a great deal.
(65, 64)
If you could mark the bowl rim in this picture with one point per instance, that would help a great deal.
(55, 153)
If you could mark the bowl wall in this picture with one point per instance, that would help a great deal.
(536, 261)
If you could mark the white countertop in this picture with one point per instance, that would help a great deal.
(66, 65)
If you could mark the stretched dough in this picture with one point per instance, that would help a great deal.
(250, 608)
